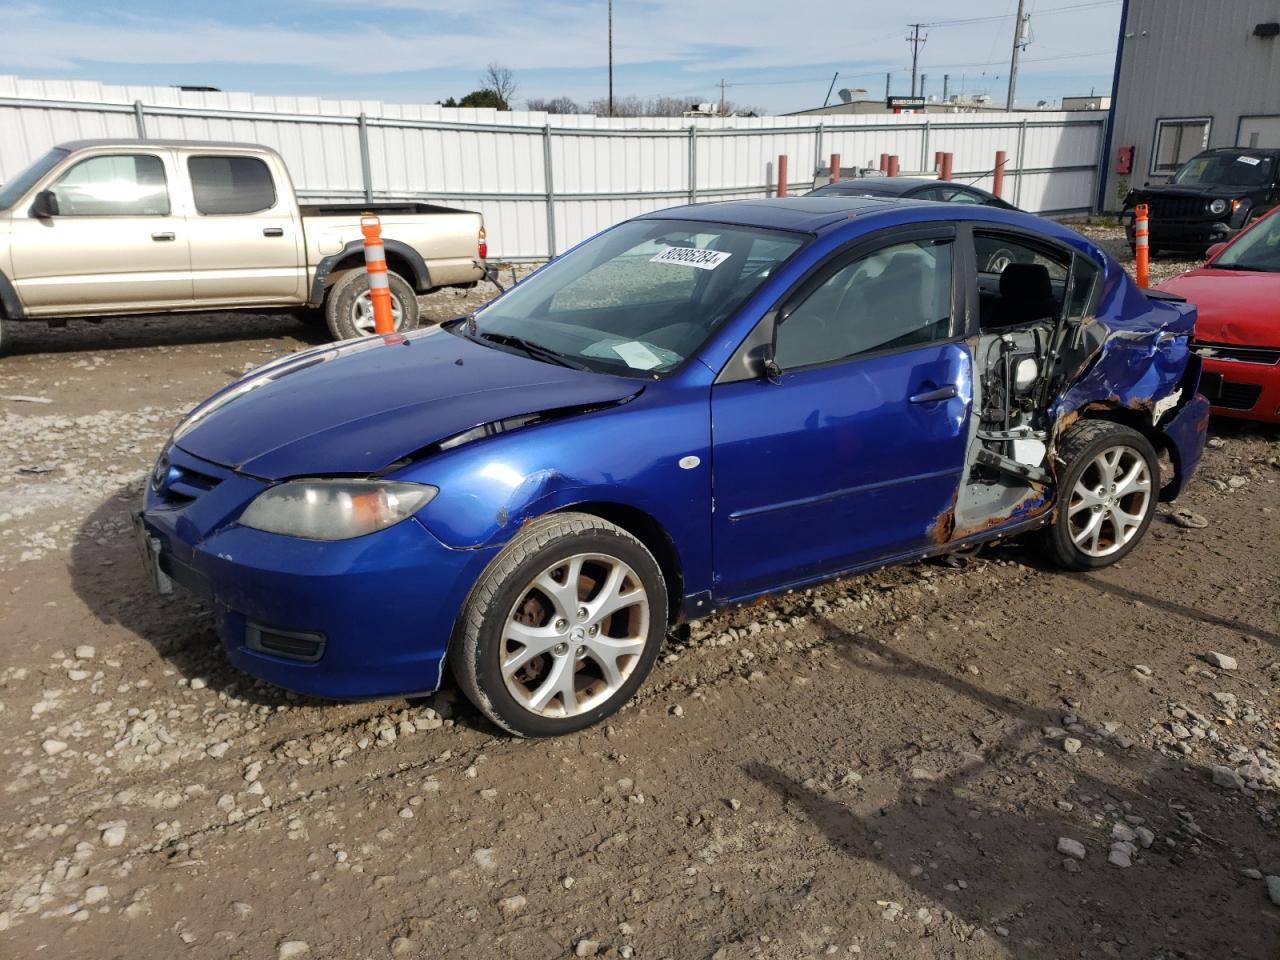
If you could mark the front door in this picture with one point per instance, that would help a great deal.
(113, 243)
(855, 451)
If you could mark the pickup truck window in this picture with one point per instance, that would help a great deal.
(115, 185)
(223, 185)
(24, 180)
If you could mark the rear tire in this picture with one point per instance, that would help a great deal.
(347, 311)
(1108, 489)
(562, 628)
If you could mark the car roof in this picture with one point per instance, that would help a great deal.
(888, 186)
(158, 144)
(820, 214)
(798, 214)
(1247, 151)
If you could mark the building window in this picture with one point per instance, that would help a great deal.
(1177, 141)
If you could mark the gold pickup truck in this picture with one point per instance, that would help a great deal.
(98, 228)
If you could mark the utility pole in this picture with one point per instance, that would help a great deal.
(722, 86)
(834, 77)
(924, 78)
(946, 88)
(1019, 41)
(888, 79)
(915, 40)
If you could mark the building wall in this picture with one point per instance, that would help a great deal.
(1193, 59)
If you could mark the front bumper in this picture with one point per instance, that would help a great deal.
(1195, 235)
(1249, 391)
(1187, 431)
(371, 617)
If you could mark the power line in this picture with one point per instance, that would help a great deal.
(1048, 11)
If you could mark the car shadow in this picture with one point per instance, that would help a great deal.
(162, 330)
(940, 830)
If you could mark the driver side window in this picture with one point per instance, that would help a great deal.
(898, 296)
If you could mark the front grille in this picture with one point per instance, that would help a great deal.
(1233, 351)
(1238, 396)
(1175, 208)
(186, 478)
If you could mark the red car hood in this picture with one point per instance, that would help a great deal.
(1233, 306)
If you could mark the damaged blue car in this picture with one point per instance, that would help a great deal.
(694, 408)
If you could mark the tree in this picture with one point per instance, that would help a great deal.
(501, 81)
(557, 105)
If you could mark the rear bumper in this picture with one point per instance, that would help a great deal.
(362, 618)
(1250, 391)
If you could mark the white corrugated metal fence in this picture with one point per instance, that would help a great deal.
(546, 182)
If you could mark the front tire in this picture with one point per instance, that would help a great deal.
(1107, 494)
(348, 308)
(562, 628)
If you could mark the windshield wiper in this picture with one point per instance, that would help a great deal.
(535, 350)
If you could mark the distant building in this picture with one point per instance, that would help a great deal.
(1190, 75)
(1086, 103)
(956, 104)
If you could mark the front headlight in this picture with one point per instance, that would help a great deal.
(335, 509)
(1217, 206)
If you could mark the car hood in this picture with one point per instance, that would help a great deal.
(1193, 190)
(1233, 306)
(358, 407)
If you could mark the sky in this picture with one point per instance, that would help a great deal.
(776, 55)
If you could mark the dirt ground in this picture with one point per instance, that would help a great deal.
(988, 760)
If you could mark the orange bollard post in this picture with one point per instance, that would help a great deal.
(1141, 248)
(937, 160)
(375, 265)
(835, 168)
(997, 180)
(782, 175)
(884, 162)
(893, 165)
(945, 172)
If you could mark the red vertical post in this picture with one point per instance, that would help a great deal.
(782, 175)
(1141, 248)
(937, 160)
(893, 165)
(835, 168)
(884, 162)
(375, 266)
(997, 185)
(945, 173)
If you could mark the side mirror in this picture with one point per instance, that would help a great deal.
(1214, 250)
(45, 205)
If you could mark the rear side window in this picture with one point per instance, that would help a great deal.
(119, 185)
(229, 185)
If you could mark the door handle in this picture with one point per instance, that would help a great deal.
(273, 231)
(932, 396)
(168, 235)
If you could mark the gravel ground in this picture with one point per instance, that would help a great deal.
(988, 760)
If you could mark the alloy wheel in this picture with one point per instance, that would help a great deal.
(574, 635)
(362, 313)
(1109, 501)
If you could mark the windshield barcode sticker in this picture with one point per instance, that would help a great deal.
(692, 257)
(1251, 161)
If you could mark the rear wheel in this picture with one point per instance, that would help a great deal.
(348, 307)
(1107, 494)
(562, 628)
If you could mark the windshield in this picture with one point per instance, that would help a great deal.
(13, 191)
(1256, 249)
(637, 300)
(1225, 170)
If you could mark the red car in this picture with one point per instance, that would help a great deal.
(1237, 295)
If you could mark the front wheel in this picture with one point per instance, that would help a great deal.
(562, 628)
(1107, 494)
(348, 307)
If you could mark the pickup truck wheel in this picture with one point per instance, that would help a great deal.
(562, 628)
(1107, 493)
(348, 308)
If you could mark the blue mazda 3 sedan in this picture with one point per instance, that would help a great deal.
(693, 408)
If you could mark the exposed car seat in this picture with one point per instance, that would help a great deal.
(1026, 295)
